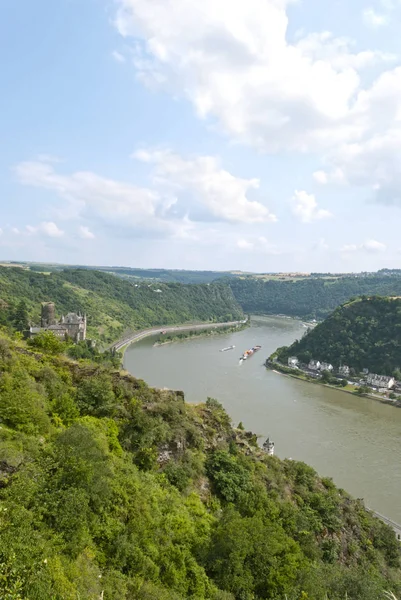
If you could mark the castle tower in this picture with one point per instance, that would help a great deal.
(48, 314)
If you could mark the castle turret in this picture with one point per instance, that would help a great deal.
(48, 314)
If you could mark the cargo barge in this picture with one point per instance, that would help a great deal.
(248, 353)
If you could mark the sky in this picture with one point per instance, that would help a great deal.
(254, 135)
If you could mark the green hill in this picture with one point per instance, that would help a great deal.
(364, 333)
(110, 489)
(310, 298)
(114, 305)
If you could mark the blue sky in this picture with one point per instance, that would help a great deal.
(261, 135)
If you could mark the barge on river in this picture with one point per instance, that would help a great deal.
(248, 353)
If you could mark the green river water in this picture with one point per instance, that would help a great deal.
(356, 441)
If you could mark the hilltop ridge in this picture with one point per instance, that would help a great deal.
(364, 333)
(114, 305)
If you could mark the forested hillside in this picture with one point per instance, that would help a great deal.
(113, 305)
(110, 489)
(364, 333)
(309, 298)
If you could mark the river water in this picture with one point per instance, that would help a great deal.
(356, 441)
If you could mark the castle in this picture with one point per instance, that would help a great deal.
(72, 325)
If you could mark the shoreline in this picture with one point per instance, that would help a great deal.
(212, 333)
(140, 335)
(382, 400)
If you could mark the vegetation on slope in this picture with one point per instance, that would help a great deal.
(364, 333)
(110, 489)
(309, 298)
(113, 305)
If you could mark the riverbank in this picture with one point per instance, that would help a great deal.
(185, 336)
(285, 372)
(140, 335)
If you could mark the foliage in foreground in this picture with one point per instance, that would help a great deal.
(110, 487)
(365, 333)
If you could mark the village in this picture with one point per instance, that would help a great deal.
(344, 375)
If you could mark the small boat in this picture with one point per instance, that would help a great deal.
(248, 353)
(228, 348)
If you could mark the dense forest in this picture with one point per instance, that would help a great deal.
(309, 298)
(113, 305)
(110, 489)
(364, 333)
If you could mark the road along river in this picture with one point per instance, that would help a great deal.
(356, 441)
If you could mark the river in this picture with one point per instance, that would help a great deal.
(356, 441)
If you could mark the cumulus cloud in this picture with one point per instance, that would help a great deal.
(217, 191)
(85, 233)
(372, 18)
(114, 203)
(245, 244)
(233, 61)
(259, 244)
(182, 192)
(372, 246)
(305, 207)
(47, 229)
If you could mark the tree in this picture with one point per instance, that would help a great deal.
(48, 343)
(21, 319)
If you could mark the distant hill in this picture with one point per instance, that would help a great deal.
(114, 305)
(312, 297)
(364, 333)
(167, 275)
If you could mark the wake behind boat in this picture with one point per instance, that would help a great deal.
(248, 353)
(228, 348)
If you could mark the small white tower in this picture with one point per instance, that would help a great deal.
(268, 447)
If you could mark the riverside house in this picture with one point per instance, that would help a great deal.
(293, 362)
(380, 381)
(314, 365)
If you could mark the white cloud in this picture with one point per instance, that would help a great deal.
(87, 194)
(183, 191)
(217, 191)
(47, 229)
(305, 207)
(372, 246)
(233, 61)
(118, 56)
(259, 245)
(374, 19)
(245, 244)
(85, 233)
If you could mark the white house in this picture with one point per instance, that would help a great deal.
(293, 362)
(326, 367)
(344, 370)
(380, 381)
(314, 365)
